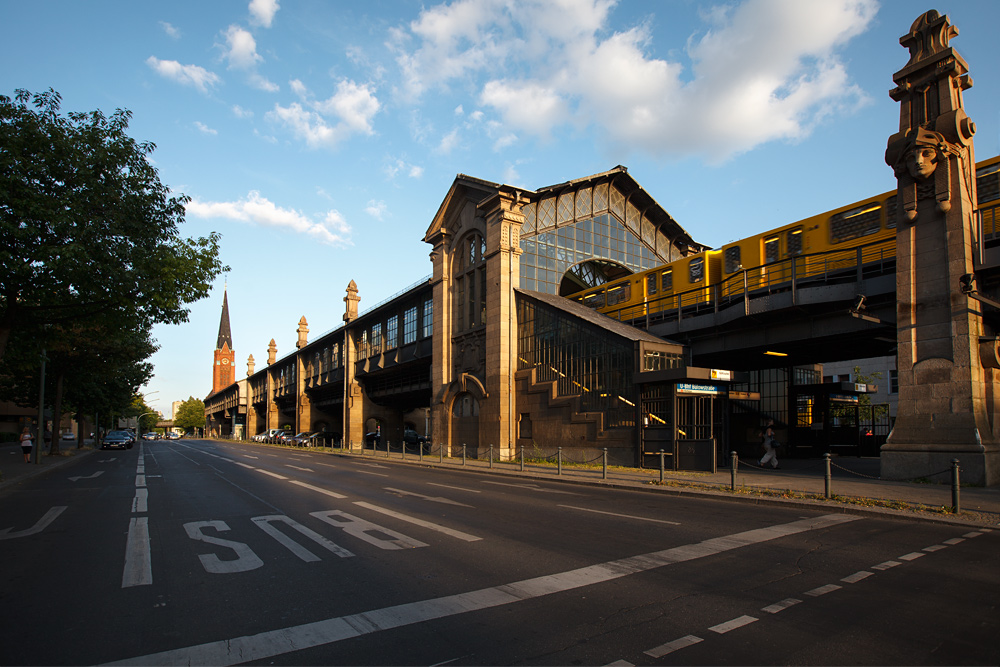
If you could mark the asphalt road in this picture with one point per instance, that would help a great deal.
(213, 553)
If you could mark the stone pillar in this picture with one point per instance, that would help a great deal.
(943, 411)
(250, 365)
(302, 331)
(272, 407)
(441, 366)
(498, 414)
(354, 418)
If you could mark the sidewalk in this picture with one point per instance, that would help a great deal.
(855, 484)
(13, 469)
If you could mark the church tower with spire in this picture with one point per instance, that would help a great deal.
(223, 373)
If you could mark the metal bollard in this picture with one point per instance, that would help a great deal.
(491, 456)
(387, 448)
(421, 456)
(441, 453)
(827, 476)
(559, 461)
(463, 454)
(955, 499)
(522, 459)
(403, 456)
(605, 473)
(734, 462)
(661, 465)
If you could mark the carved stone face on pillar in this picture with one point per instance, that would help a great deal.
(920, 162)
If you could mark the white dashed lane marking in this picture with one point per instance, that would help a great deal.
(781, 606)
(676, 645)
(729, 626)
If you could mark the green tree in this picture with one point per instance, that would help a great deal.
(86, 226)
(190, 414)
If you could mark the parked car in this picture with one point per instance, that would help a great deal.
(150, 436)
(373, 439)
(300, 439)
(68, 437)
(173, 436)
(266, 436)
(122, 439)
(411, 437)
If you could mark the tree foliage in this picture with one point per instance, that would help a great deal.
(190, 414)
(86, 226)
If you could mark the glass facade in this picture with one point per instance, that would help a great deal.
(594, 224)
(582, 359)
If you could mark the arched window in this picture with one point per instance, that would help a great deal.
(470, 282)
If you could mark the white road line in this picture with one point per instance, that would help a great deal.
(675, 645)
(857, 576)
(534, 487)
(420, 522)
(972, 534)
(781, 606)
(823, 590)
(333, 494)
(96, 474)
(369, 472)
(619, 663)
(886, 565)
(622, 516)
(289, 465)
(934, 547)
(272, 474)
(433, 499)
(457, 488)
(139, 503)
(295, 638)
(728, 626)
(955, 540)
(245, 465)
(140, 480)
(138, 566)
(912, 556)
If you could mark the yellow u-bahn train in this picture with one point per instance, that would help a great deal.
(822, 247)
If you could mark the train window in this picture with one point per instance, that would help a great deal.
(772, 251)
(988, 183)
(890, 212)
(618, 293)
(795, 242)
(857, 222)
(594, 300)
(651, 284)
(667, 280)
(696, 270)
(733, 261)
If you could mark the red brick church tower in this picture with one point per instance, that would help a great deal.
(223, 374)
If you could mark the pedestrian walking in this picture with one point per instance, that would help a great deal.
(26, 444)
(770, 445)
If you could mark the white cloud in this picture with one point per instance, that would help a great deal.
(241, 52)
(459, 110)
(188, 75)
(759, 71)
(258, 210)
(262, 12)
(170, 30)
(205, 128)
(326, 123)
(396, 166)
(376, 209)
(448, 142)
(240, 112)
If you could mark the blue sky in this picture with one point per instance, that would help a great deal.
(319, 138)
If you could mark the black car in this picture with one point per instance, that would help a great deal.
(411, 437)
(121, 439)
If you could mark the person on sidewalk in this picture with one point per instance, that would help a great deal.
(770, 454)
(26, 444)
